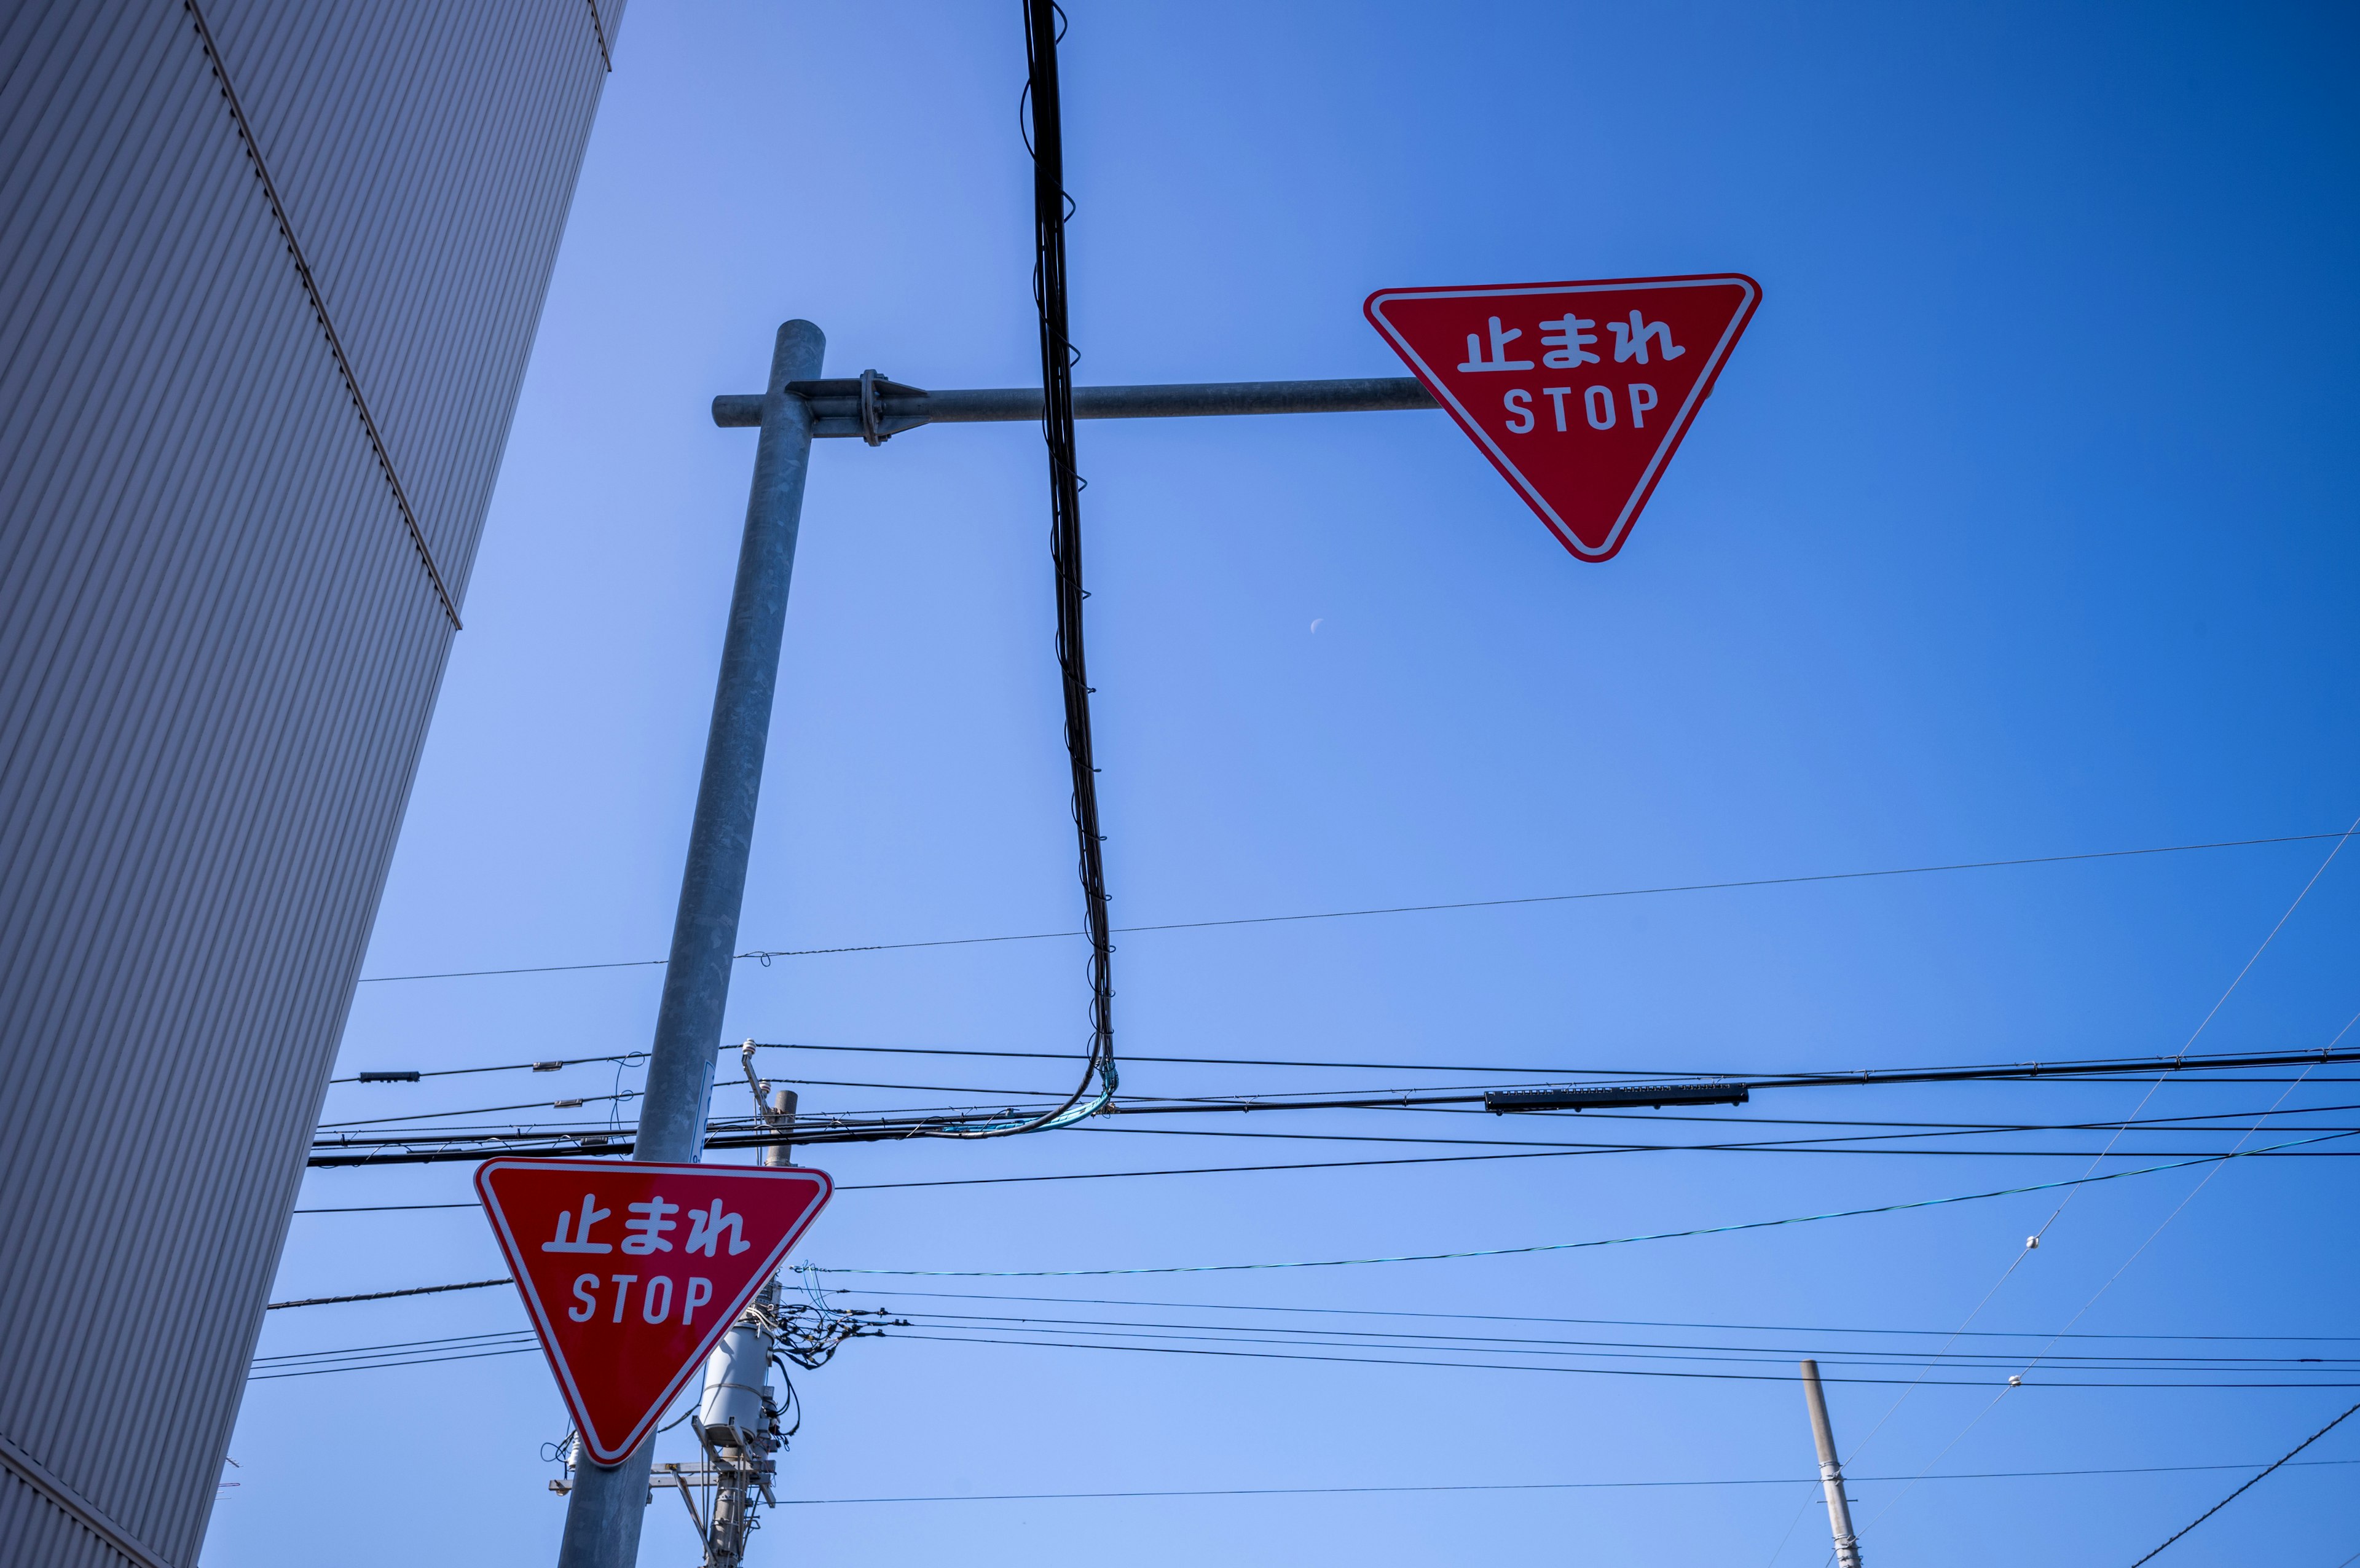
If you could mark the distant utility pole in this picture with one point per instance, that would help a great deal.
(1830, 1470)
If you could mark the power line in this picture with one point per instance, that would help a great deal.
(1266, 1308)
(384, 1208)
(1536, 1154)
(765, 954)
(499, 1067)
(388, 1366)
(899, 1293)
(387, 1295)
(1875, 1129)
(1454, 1067)
(2070, 1193)
(423, 1352)
(1502, 1486)
(872, 1127)
(486, 1110)
(1092, 1333)
(1558, 1246)
(2241, 1491)
(1625, 1349)
(1569, 1371)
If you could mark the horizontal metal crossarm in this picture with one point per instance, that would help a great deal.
(881, 409)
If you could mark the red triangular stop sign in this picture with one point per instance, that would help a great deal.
(1578, 392)
(633, 1273)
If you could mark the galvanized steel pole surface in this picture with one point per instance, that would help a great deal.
(607, 1506)
(1831, 1471)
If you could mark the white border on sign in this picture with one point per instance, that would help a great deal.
(1441, 389)
(723, 1319)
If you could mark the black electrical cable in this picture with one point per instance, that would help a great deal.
(387, 1295)
(1586, 1323)
(378, 1366)
(502, 1067)
(2241, 1491)
(1648, 1072)
(1965, 1130)
(1058, 356)
(1652, 1350)
(557, 1145)
(444, 1342)
(417, 1352)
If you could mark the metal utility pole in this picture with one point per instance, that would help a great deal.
(782, 1114)
(607, 1506)
(738, 1422)
(1830, 1470)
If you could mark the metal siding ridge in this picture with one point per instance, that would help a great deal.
(308, 80)
(67, 1536)
(412, 346)
(365, 239)
(441, 416)
(327, 326)
(598, 31)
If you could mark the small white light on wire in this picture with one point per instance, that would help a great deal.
(2015, 1382)
(2031, 1244)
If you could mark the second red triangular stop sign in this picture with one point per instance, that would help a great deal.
(633, 1273)
(1578, 392)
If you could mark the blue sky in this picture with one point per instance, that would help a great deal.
(2019, 525)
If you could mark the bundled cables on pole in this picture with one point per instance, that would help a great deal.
(1049, 211)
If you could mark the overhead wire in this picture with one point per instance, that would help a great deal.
(2140, 1250)
(1510, 1486)
(2241, 1491)
(765, 954)
(1782, 1377)
(2033, 1241)
(1558, 1246)
(1609, 1349)
(900, 1292)
(1089, 1334)
(846, 1127)
(505, 1067)
(2098, 1069)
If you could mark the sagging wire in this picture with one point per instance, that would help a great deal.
(1050, 206)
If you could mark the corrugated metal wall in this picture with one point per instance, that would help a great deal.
(219, 646)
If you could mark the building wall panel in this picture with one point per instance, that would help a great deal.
(411, 144)
(219, 653)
